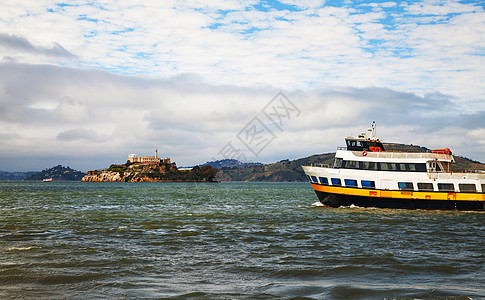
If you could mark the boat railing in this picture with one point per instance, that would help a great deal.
(457, 175)
(412, 155)
(319, 165)
(473, 171)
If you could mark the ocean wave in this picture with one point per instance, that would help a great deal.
(11, 249)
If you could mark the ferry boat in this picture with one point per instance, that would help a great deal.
(364, 174)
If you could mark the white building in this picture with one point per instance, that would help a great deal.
(132, 158)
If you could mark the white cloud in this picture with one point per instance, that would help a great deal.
(45, 105)
(439, 7)
(231, 42)
(16, 44)
(81, 134)
(92, 118)
(388, 4)
(304, 4)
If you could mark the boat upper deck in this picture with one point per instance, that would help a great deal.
(393, 156)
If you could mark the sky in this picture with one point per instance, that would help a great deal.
(86, 83)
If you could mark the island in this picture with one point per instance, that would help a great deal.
(57, 173)
(151, 169)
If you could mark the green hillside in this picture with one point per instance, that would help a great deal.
(290, 170)
(285, 170)
(57, 173)
(15, 175)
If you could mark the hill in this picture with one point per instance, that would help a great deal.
(15, 175)
(284, 170)
(57, 173)
(290, 170)
(230, 163)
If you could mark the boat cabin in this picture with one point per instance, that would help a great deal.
(361, 144)
(365, 143)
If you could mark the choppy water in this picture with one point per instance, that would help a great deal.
(228, 241)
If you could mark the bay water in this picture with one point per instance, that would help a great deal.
(74, 240)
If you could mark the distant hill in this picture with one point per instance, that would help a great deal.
(290, 170)
(284, 170)
(230, 163)
(58, 173)
(15, 175)
(404, 148)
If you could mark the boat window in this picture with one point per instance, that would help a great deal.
(483, 188)
(350, 182)
(407, 167)
(368, 184)
(446, 187)
(367, 165)
(434, 167)
(406, 186)
(336, 181)
(309, 178)
(467, 187)
(388, 167)
(421, 167)
(314, 179)
(323, 180)
(351, 164)
(425, 186)
(338, 162)
(403, 167)
(355, 145)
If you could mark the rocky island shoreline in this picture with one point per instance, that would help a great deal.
(151, 169)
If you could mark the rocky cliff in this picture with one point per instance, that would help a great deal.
(151, 172)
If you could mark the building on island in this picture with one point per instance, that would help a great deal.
(133, 158)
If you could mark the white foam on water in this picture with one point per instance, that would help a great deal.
(359, 207)
(20, 248)
(318, 203)
(351, 206)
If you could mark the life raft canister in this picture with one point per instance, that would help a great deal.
(442, 151)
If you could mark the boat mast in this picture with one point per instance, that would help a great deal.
(372, 131)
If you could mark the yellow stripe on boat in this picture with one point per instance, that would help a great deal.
(454, 196)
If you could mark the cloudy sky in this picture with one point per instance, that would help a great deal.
(85, 83)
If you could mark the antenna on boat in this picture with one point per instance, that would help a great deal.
(372, 131)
